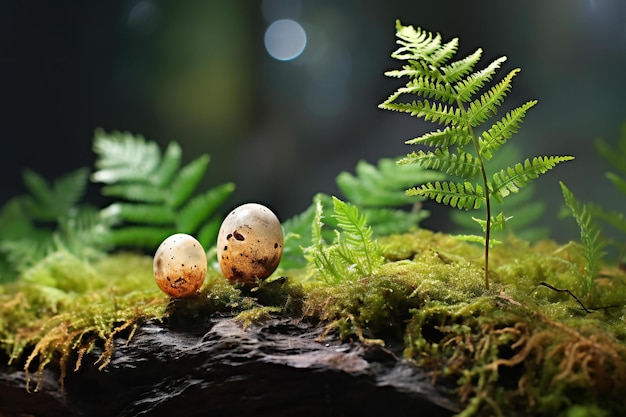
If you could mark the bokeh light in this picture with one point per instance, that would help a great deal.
(285, 39)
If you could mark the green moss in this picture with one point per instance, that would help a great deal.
(64, 305)
(519, 348)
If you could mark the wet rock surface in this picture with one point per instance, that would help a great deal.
(212, 366)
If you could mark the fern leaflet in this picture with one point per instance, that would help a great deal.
(462, 195)
(511, 179)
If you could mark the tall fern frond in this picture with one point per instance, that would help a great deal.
(590, 238)
(156, 196)
(459, 97)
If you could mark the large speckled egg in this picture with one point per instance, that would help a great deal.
(249, 243)
(180, 265)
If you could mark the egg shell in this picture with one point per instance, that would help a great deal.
(249, 243)
(180, 265)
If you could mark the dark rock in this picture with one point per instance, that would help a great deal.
(214, 367)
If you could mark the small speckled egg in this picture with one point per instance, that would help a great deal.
(249, 243)
(180, 265)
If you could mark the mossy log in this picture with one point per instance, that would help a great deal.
(197, 366)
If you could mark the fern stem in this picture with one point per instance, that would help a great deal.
(483, 173)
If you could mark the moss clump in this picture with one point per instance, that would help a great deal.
(64, 306)
(519, 348)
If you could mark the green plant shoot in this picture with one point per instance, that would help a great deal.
(454, 95)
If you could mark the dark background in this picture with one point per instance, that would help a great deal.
(197, 72)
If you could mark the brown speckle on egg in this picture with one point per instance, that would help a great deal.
(250, 243)
(180, 265)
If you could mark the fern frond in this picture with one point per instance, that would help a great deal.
(512, 179)
(461, 195)
(450, 94)
(353, 252)
(124, 157)
(492, 139)
(590, 238)
(158, 195)
(382, 185)
(461, 164)
(48, 202)
(356, 244)
(319, 255)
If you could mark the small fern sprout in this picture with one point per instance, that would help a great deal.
(455, 95)
(180, 265)
(249, 244)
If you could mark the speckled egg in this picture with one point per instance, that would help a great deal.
(180, 265)
(249, 243)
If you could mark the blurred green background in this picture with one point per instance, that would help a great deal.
(202, 73)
